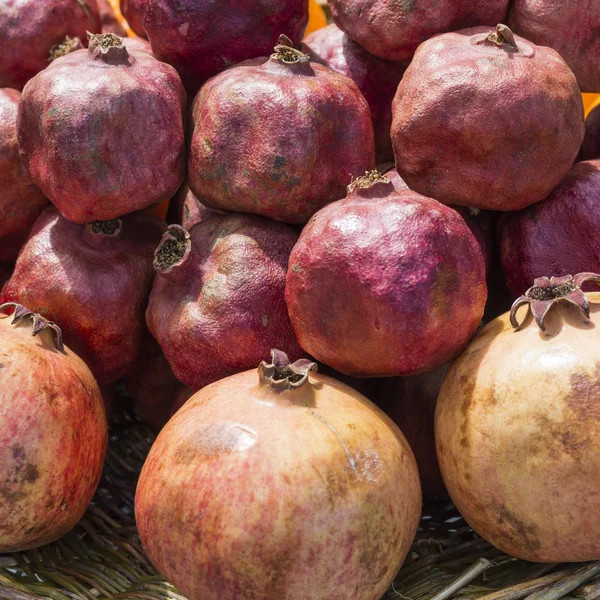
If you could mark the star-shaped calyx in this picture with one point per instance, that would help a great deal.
(548, 290)
(283, 375)
(39, 323)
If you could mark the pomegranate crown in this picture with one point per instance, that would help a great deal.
(548, 290)
(286, 53)
(283, 375)
(39, 323)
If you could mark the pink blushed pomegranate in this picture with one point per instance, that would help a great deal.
(287, 146)
(590, 149)
(186, 210)
(130, 9)
(570, 28)
(93, 279)
(110, 23)
(101, 131)
(394, 30)
(218, 299)
(486, 119)
(385, 282)
(20, 200)
(557, 235)
(322, 490)
(53, 436)
(377, 79)
(30, 28)
(201, 38)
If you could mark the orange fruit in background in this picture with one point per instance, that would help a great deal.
(590, 101)
(316, 17)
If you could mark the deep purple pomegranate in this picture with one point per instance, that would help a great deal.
(201, 38)
(486, 119)
(186, 210)
(410, 402)
(94, 280)
(558, 235)
(110, 23)
(289, 143)
(385, 283)
(590, 149)
(218, 300)
(393, 30)
(30, 28)
(377, 79)
(571, 28)
(130, 9)
(137, 44)
(101, 131)
(20, 200)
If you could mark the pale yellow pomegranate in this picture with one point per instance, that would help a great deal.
(518, 426)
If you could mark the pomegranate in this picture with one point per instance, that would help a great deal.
(201, 38)
(110, 23)
(410, 402)
(20, 201)
(186, 210)
(152, 385)
(30, 28)
(322, 490)
(570, 28)
(393, 30)
(486, 119)
(518, 426)
(218, 299)
(557, 235)
(53, 436)
(590, 148)
(289, 144)
(377, 79)
(131, 11)
(136, 44)
(11, 244)
(95, 280)
(385, 282)
(101, 131)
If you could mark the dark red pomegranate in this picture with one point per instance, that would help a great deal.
(101, 131)
(410, 402)
(110, 23)
(377, 79)
(20, 200)
(557, 235)
(11, 244)
(152, 386)
(385, 282)
(393, 30)
(218, 300)
(287, 146)
(486, 119)
(137, 44)
(130, 9)
(201, 38)
(30, 28)
(186, 210)
(94, 280)
(571, 28)
(590, 148)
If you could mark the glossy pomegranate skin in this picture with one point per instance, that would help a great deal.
(101, 132)
(570, 28)
(557, 235)
(221, 308)
(464, 101)
(385, 283)
(393, 31)
(289, 145)
(131, 11)
(110, 23)
(52, 441)
(186, 210)
(201, 38)
(29, 29)
(96, 286)
(377, 79)
(328, 515)
(20, 201)
(590, 149)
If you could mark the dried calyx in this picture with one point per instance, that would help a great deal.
(502, 35)
(172, 248)
(368, 180)
(39, 323)
(67, 46)
(546, 291)
(283, 375)
(286, 53)
(107, 46)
